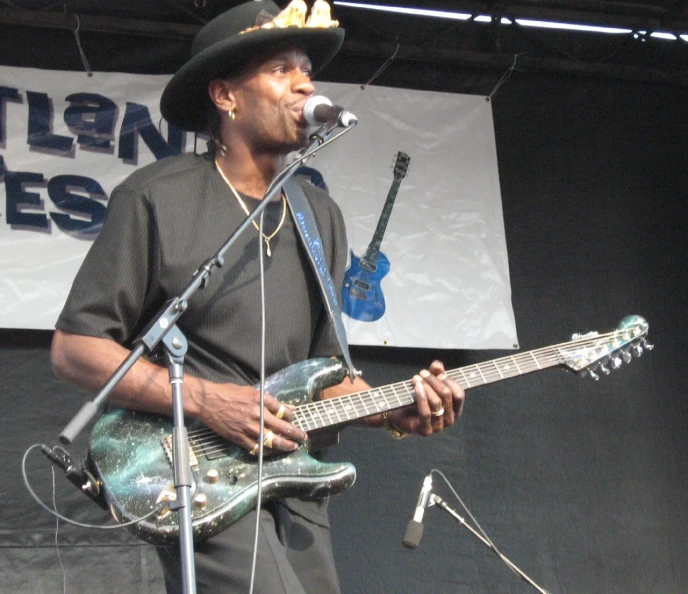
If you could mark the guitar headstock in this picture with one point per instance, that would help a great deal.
(592, 352)
(401, 165)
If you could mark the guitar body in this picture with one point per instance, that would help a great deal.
(129, 455)
(362, 297)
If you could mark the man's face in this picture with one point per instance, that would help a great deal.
(270, 96)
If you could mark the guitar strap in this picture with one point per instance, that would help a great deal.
(308, 231)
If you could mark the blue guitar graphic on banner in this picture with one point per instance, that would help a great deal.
(362, 297)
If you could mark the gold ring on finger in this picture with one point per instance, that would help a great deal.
(267, 440)
(437, 413)
(281, 411)
(254, 451)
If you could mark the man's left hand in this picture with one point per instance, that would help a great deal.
(439, 402)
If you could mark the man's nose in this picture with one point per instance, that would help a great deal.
(302, 82)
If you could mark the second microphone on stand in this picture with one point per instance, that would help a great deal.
(414, 531)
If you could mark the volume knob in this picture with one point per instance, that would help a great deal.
(200, 501)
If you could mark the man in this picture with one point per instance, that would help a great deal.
(247, 85)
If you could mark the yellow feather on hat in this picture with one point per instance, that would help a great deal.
(320, 16)
(294, 15)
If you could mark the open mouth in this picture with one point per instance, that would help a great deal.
(297, 110)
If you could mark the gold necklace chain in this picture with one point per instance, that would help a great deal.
(266, 238)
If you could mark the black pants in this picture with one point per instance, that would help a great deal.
(294, 557)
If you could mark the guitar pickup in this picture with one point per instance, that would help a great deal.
(358, 294)
(167, 446)
(361, 284)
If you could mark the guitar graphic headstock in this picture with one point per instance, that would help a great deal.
(589, 353)
(401, 166)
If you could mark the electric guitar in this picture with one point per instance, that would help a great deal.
(362, 297)
(131, 452)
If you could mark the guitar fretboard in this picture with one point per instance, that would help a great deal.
(325, 413)
(399, 174)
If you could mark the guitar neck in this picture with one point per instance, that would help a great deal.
(325, 413)
(375, 243)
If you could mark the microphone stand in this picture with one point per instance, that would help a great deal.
(437, 500)
(163, 328)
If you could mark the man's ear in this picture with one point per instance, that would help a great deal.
(220, 92)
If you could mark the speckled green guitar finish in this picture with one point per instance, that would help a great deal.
(130, 451)
(130, 455)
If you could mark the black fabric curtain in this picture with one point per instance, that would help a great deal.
(580, 483)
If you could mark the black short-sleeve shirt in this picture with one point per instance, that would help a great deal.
(163, 222)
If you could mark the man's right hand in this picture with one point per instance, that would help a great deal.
(233, 412)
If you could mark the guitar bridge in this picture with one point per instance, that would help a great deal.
(167, 446)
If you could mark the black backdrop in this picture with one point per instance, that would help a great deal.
(582, 484)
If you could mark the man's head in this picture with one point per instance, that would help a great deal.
(262, 106)
(234, 41)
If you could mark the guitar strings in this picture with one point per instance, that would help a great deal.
(315, 415)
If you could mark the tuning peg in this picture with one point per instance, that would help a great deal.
(626, 356)
(646, 345)
(604, 369)
(636, 350)
(593, 375)
(615, 362)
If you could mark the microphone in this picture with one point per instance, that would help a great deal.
(319, 110)
(414, 530)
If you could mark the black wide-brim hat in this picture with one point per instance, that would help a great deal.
(224, 45)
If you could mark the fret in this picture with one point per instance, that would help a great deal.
(302, 420)
(560, 356)
(400, 402)
(532, 354)
(498, 370)
(327, 409)
(380, 402)
(481, 373)
(316, 411)
(516, 364)
(468, 384)
(336, 410)
(363, 402)
(348, 407)
(312, 424)
(396, 397)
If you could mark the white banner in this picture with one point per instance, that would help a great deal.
(439, 277)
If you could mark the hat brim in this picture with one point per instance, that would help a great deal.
(183, 101)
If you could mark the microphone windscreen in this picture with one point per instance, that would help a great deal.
(414, 532)
(309, 108)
